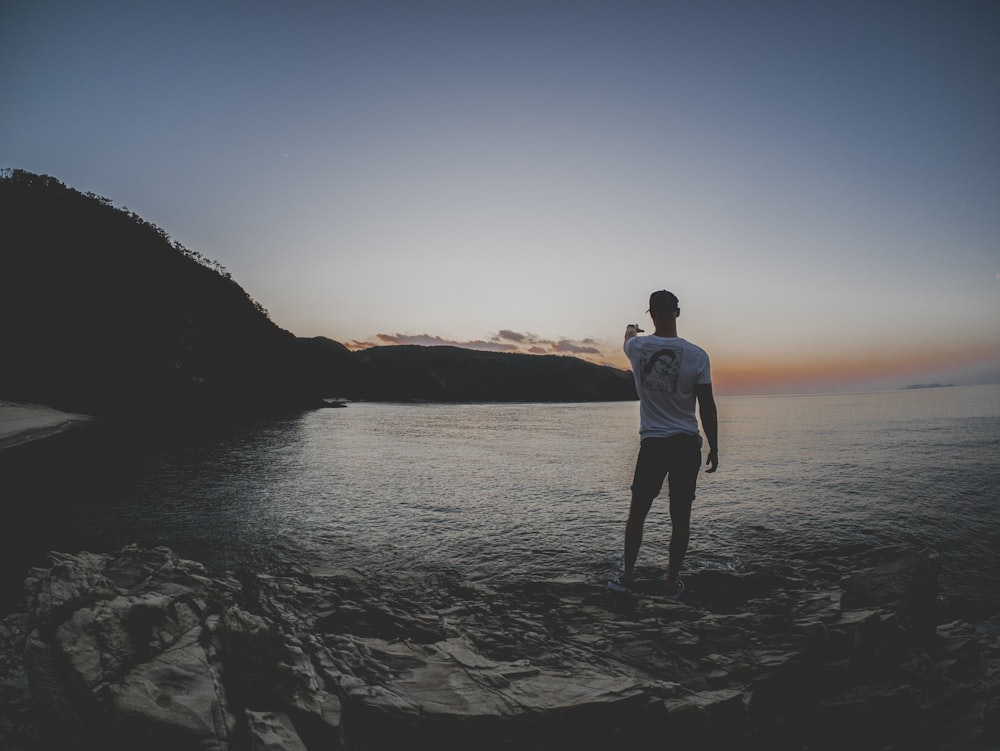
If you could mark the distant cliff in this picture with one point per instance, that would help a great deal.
(454, 374)
(100, 312)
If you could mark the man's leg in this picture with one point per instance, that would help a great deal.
(647, 481)
(681, 483)
(641, 503)
(680, 535)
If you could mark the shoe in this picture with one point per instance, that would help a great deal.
(678, 590)
(620, 584)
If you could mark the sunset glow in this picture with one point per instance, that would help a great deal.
(819, 185)
(795, 376)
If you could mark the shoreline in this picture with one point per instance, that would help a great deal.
(22, 423)
(844, 647)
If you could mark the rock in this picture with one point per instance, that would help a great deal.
(272, 732)
(895, 574)
(708, 719)
(142, 649)
(19, 724)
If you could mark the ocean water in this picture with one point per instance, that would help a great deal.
(534, 490)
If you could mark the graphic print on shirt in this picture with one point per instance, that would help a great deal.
(661, 367)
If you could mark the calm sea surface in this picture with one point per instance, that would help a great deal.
(537, 490)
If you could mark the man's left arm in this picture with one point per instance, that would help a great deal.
(709, 422)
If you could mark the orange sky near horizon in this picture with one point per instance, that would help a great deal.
(792, 375)
(818, 183)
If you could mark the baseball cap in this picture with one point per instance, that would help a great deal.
(663, 302)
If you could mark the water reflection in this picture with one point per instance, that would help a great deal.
(522, 490)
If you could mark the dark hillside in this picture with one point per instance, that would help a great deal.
(454, 374)
(336, 371)
(101, 313)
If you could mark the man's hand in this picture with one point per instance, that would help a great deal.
(713, 461)
(632, 330)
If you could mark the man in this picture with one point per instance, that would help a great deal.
(671, 375)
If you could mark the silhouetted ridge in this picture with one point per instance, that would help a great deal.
(101, 313)
(454, 374)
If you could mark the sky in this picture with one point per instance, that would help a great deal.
(818, 182)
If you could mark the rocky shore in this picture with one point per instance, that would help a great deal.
(838, 649)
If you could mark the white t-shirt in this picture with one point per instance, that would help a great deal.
(666, 371)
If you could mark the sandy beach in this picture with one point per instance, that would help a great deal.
(21, 423)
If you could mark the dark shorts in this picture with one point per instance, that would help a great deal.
(676, 459)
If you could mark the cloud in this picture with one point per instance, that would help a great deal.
(524, 339)
(426, 340)
(577, 348)
(511, 335)
(504, 340)
(423, 339)
(537, 345)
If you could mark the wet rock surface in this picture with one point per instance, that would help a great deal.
(844, 648)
